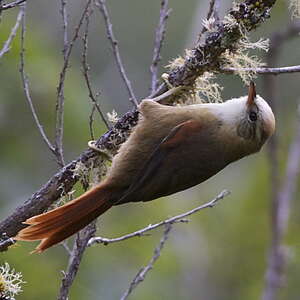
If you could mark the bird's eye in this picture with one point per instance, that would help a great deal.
(252, 116)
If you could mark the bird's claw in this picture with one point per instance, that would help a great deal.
(104, 152)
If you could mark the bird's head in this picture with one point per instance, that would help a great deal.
(250, 117)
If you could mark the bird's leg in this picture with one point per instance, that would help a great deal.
(104, 152)
(171, 91)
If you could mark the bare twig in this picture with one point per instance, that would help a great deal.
(66, 247)
(289, 184)
(279, 205)
(91, 121)
(64, 15)
(80, 245)
(217, 9)
(271, 93)
(11, 4)
(60, 89)
(159, 38)
(269, 71)
(86, 74)
(140, 276)
(175, 219)
(277, 256)
(13, 32)
(101, 4)
(26, 83)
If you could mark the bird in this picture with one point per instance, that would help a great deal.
(172, 148)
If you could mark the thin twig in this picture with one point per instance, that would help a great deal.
(140, 276)
(86, 74)
(66, 247)
(64, 15)
(175, 219)
(25, 81)
(60, 89)
(270, 71)
(158, 43)
(91, 121)
(101, 4)
(80, 245)
(274, 256)
(7, 44)
(277, 256)
(217, 9)
(11, 4)
(208, 16)
(289, 184)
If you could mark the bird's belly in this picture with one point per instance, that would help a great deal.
(181, 178)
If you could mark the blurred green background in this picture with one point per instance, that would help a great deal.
(221, 254)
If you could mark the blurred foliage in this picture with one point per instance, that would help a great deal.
(221, 254)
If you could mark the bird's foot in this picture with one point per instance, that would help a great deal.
(104, 152)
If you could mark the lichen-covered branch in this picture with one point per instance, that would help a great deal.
(242, 18)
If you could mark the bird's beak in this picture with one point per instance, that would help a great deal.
(251, 94)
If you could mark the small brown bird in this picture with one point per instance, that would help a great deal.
(170, 150)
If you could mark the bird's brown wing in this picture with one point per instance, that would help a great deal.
(181, 160)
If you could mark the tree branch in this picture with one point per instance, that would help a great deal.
(158, 43)
(101, 4)
(80, 245)
(266, 70)
(86, 75)
(246, 16)
(60, 89)
(11, 5)
(176, 219)
(140, 276)
(277, 257)
(26, 83)
(211, 11)
(13, 32)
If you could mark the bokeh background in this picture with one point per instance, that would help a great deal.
(221, 254)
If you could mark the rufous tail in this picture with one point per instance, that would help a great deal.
(58, 224)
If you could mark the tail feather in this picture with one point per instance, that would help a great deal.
(71, 208)
(66, 231)
(58, 224)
